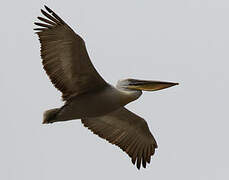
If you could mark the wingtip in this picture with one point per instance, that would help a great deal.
(144, 163)
(48, 9)
(133, 161)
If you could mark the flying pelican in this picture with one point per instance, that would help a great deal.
(88, 97)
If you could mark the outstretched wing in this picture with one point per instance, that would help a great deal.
(126, 130)
(65, 58)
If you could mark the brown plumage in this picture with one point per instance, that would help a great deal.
(126, 130)
(88, 97)
(65, 58)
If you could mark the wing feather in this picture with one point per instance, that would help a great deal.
(144, 157)
(46, 20)
(126, 130)
(65, 58)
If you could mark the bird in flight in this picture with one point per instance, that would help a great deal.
(88, 97)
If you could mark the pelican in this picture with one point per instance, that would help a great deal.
(87, 96)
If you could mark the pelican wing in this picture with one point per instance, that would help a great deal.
(126, 130)
(65, 58)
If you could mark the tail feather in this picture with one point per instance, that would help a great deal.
(49, 116)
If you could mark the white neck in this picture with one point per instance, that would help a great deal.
(129, 95)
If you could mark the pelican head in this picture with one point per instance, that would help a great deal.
(143, 85)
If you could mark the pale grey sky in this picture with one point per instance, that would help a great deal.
(185, 41)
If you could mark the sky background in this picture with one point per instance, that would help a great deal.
(185, 41)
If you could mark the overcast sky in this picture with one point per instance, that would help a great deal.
(185, 41)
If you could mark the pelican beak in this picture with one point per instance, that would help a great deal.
(148, 85)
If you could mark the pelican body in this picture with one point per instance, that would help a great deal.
(88, 97)
(94, 103)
